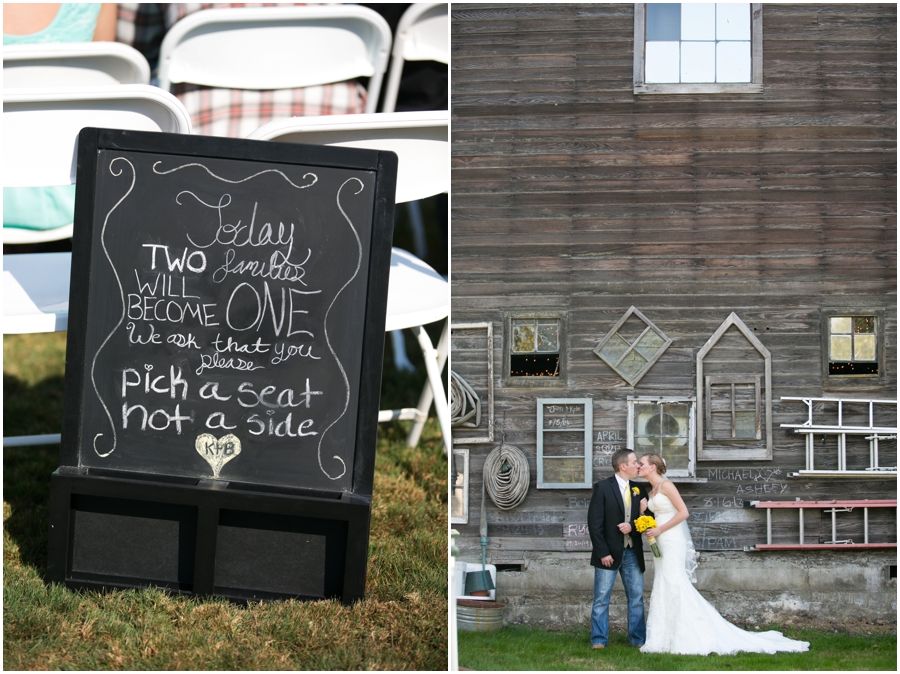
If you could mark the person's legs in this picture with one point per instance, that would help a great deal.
(633, 580)
(603, 585)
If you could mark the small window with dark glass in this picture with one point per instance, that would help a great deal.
(534, 348)
(852, 346)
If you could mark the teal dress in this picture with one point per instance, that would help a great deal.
(43, 208)
(74, 22)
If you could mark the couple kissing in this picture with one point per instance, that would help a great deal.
(679, 620)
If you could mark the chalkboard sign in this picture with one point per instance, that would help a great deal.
(227, 310)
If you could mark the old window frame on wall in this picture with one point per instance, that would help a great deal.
(738, 452)
(733, 410)
(463, 484)
(754, 86)
(488, 404)
(586, 429)
(509, 380)
(633, 407)
(850, 380)
(617, 361)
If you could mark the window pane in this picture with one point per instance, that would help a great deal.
(840, 325)
(679, 414)
(698, 21)
(864, 324)
(676, 457)
(649, 344)
(698, 61)
(663, 21)
(523, 336)
(534, 365)
(733, 62)
(643, 414)
(672, 428)
(548, 336)
(745, 425)
(864, 347)
(632, 364)
(614, 349)
(733, 21)
(666, 426)
(841, 347)
(566, 471)
(661, 62)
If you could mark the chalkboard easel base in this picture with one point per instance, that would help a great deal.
(205, 538)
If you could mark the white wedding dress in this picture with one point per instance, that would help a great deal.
(680, 620)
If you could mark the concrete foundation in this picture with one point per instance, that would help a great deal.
(752, 587)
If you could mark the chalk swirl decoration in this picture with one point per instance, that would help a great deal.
(464, 403)
(506, 476)
(115, 172)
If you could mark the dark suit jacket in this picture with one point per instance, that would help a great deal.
(605, 514)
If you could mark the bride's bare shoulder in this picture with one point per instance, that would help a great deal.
(668, 488)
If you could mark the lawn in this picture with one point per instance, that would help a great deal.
(401, 624)
(527, 649)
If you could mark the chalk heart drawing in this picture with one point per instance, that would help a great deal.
(217, 451)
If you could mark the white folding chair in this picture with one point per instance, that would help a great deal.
(41, 126)
(277, 48)
(40, 134)
(71, 64)
(423, 34)
(417, 295)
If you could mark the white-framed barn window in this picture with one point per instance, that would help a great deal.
(564, 448)
(693, 48)
(664, 426)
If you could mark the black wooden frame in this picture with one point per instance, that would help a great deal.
(347, 514)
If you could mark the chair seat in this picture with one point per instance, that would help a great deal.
(417, 294)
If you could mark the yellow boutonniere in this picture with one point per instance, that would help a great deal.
(635, 491)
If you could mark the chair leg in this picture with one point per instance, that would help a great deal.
(434, 364)
(414, 208)
(401, 360)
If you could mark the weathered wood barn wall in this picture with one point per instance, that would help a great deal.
(574, 196)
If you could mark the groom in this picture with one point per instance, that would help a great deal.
(617, 548)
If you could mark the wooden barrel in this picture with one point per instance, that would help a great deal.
(479, 616)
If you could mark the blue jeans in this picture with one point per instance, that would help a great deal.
(633, 580)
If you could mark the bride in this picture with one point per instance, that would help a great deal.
(680, 620)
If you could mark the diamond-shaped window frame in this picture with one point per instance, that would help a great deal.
(631, 350)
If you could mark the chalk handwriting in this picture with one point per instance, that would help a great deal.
(261, 266)
(743, 474)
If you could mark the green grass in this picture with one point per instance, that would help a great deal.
(527, 649)
(401, 625)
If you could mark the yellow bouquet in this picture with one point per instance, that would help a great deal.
(642, 524)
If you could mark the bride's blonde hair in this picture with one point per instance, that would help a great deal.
(657, 461)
